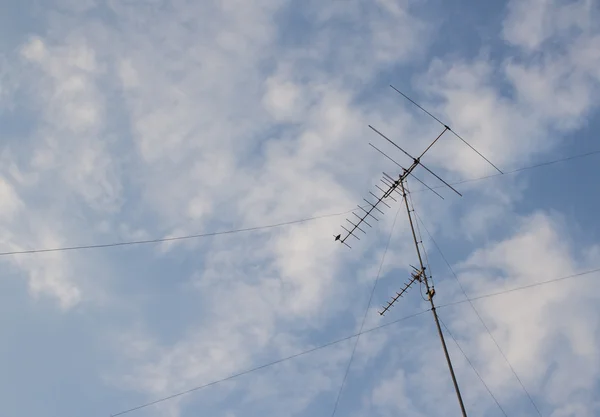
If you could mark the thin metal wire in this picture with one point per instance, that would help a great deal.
(362, 325)
(473, 367)
(481, 319)
(171, 239)
(524, 287)
(335, 342)
(539, 165)
(158, 240)
(267, 365)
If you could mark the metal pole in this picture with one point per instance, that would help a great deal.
(437, 323)
(430, 295)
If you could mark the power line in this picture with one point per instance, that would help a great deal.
(306, 352)
(362, 325)
(335, 342)
(524, 287)
(171, 239)
(541, 164)
(481, 320)
(269, 226)
(525, 168)
(473, 367)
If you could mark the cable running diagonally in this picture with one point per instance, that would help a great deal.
(524, 287)
(481, 320)
(362, 325)
(473, 367)
(269, 226)
(171, 239)
(514, 171)
(335, 342)
(267, 365)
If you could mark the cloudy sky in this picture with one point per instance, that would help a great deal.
(139, 119)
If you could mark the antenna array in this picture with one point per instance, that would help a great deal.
(416, 275)
(397, 186)
(392, 186)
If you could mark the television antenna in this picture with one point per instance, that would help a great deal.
(398, 187)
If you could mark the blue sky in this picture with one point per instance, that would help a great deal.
(136, 119)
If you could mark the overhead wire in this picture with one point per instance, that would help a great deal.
(335, 342)
(473, 367)
(362, 325)
(362, 331)
(267, 365)
(525, 168)
(175, 238)
(268, 226)
(514, 372)
(523, 287)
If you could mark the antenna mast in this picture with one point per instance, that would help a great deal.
(398, 186)
(421, 275)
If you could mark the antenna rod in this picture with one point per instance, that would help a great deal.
(430, 294)
(415, 177)
(447, 128)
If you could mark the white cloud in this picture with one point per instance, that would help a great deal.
(128, 74)
(48, 277)
(530, 23)
(546, 332)
(76, 6)
(11, 203)
(391, 394)
(61, 165)
(283, 100)
(197, 118)
(71, 145)
(518, 107)
(34, 50)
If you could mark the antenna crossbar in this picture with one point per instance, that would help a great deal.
(383, 191)
(361, 219)
(392, 187)
(417, 161)
(368, 213)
